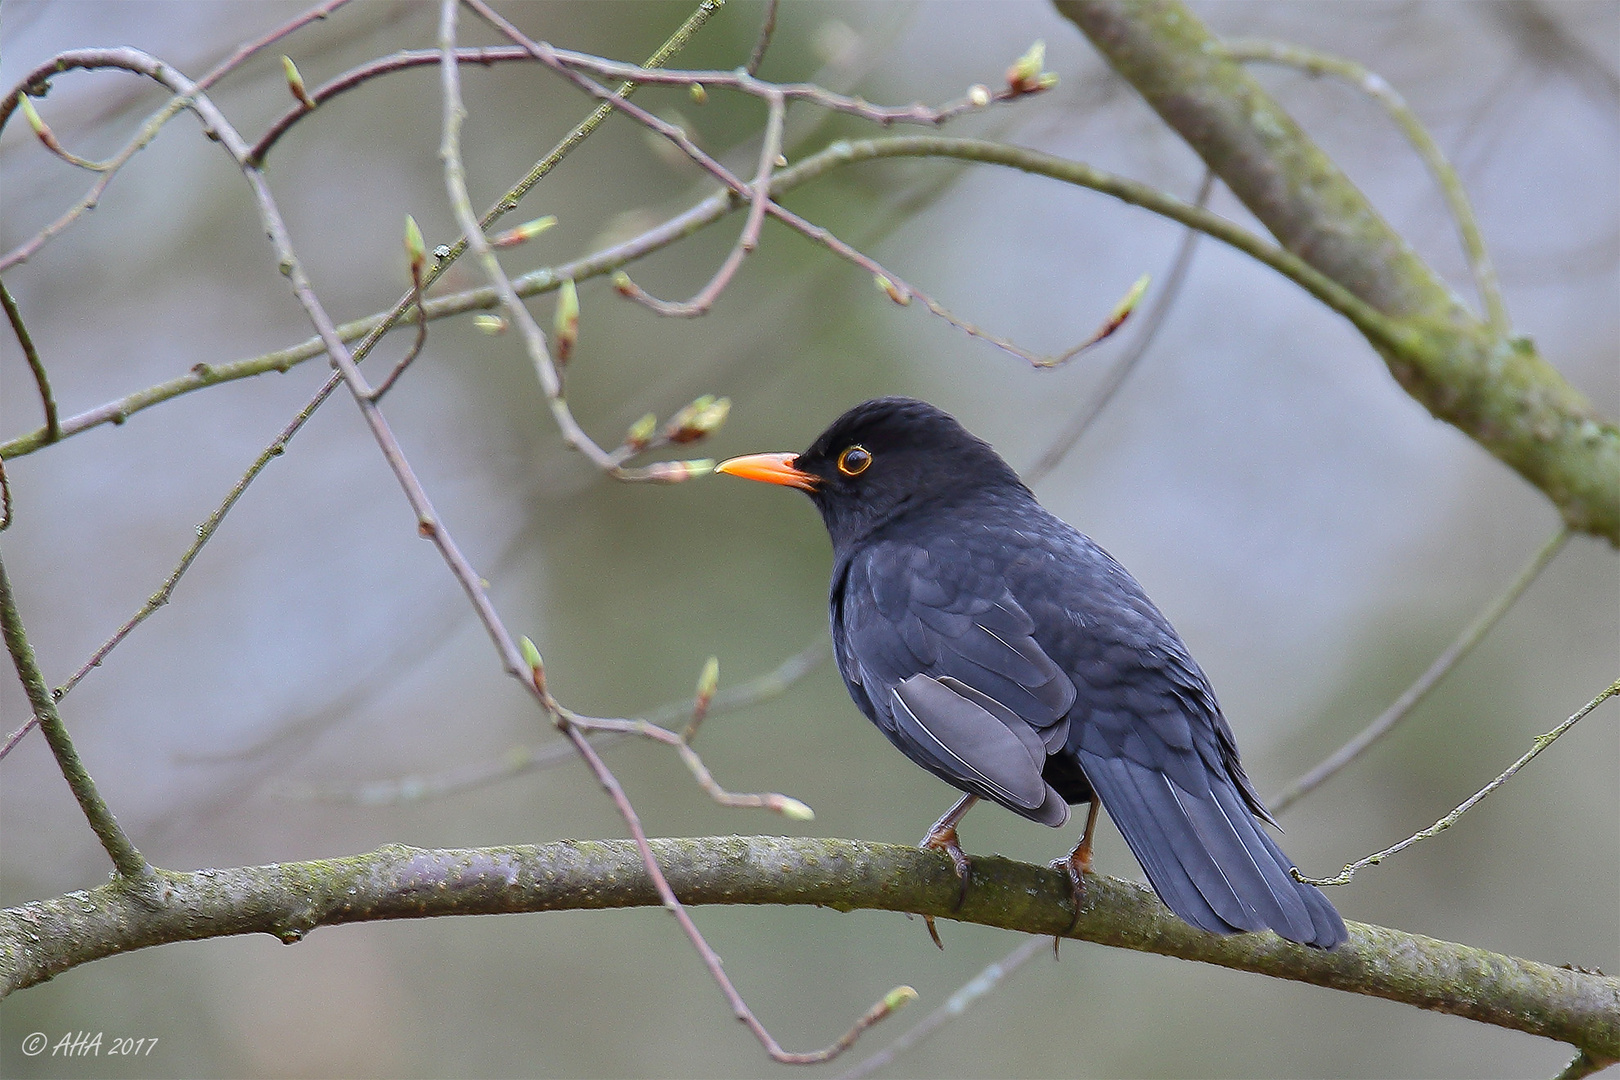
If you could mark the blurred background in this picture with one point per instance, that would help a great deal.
(1316, 536)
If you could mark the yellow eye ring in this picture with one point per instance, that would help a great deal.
(854, 460)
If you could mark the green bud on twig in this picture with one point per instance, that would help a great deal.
(796, 810)
(537, 669)
(899, 998)
(700, 96)
(1024, 77)
(891, 290)
(521, 234)
(676, 472)
(414, 247)
(696, 419)
(33, 117)
(708, 682)
(492, 325)
(1116, 319)
(702, 417)
(565, 324)
(295, 83)
(1128, 302)
(641, 432)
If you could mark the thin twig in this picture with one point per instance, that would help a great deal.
(369, 330)
(455, 179)
(759, 198)
(744, 82)
(1445, 176)
(40, 77)
(1117, 374)
(358, 76)
(48, 139)
(53, 426)
(1541, 743)
(416, 347)
(739, 1008)
(205, 532)
(520, 760)
(206, 375)
(952, 1008)
(534, 339)
(315, 14)
(1471, 635)
(560, 61)
(767, 27)
(292, 268)
(785, 805)
(570, 725)
(127, 859)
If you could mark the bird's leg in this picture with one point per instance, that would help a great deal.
(942, 837)
(1078, 864)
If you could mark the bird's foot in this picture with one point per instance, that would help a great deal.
(1077, 866)
(943, 839)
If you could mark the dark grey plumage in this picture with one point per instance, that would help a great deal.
(1012, 657)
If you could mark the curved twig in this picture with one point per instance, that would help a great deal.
(132, 867)
(1118, 372)
(718, 205)
(1541, 743)
(1451, 187)
(526, 759)
(53, 425)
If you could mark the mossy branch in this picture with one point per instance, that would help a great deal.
(1496, 389)
(42, 939)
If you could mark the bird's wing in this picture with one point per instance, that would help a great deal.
(946, 660)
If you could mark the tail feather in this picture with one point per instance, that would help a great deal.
(1207, 857)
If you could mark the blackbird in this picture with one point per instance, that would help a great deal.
(1009, 655)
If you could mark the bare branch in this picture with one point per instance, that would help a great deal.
(759, 198)
(767, 27)
(520, 760)
(950, 1009)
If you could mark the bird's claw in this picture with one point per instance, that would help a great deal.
(944, 840)
(1077, 866)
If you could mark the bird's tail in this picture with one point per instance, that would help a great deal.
(1207, 856)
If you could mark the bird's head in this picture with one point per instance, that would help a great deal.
(880, 459)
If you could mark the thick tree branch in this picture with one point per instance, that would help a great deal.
(42, 939)
(1498, 390)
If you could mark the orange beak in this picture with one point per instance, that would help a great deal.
(772, 469)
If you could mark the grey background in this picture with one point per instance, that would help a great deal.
(1314, 534)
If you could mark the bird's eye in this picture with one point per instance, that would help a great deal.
(853, 461)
